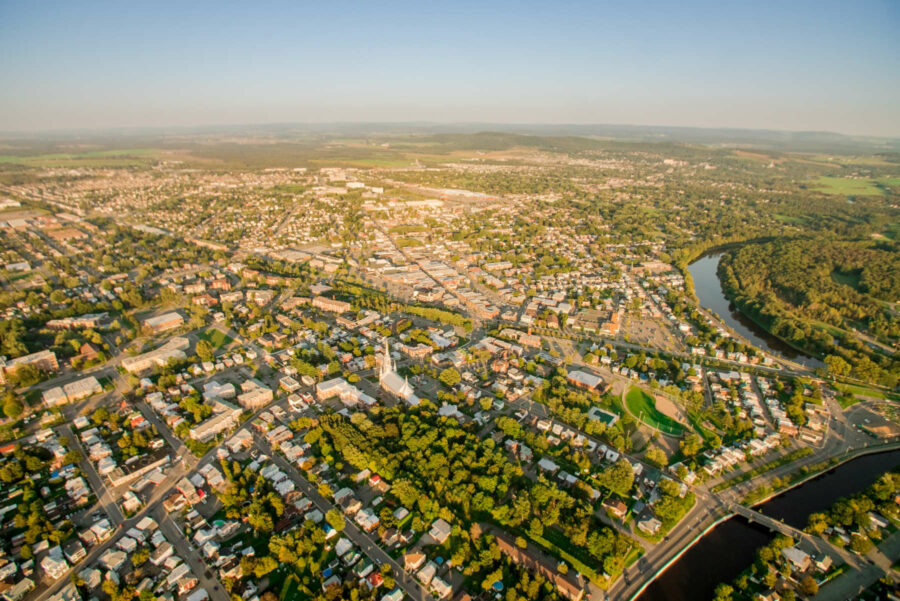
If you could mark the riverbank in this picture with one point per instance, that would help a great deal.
(723, 550)
(710, 293)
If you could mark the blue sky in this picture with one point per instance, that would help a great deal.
(794, 65)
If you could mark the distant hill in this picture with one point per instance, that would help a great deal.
(481, 136)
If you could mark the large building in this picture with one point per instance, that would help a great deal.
(391, 382)
(349, 394)
(225, 416)
(254, 395)
(330, 304)
(173, 349)
(583, 379)
(89, 320)
(161, 323)
(43, 360)
(74, 391)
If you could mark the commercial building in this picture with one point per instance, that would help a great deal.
(74, 391)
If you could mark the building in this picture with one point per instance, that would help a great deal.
(18, 591)
(43, 360)
(440, 531)
(161, 323)
(565, 583)
(54, 564)
(348, 393)
(800, 560)
(649, 525)
(81, 389)
(173, 349)
(254, 395)
(391, 382)
(225, 417)
(74, 391)
(88, 321)
(330, 304)
(586, 380)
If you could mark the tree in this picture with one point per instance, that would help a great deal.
(12, 406)
(140, 556)
(837, 366)
(691, 445)
(100, 415)
(264, 565)
(808, 586)
(204, 350)
(618, 477)
(724, 592)
(336, 519)
(656, 456)
(450, 377)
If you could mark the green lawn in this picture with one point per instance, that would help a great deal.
(215, 337)
(643, 406)
(867, 391)
(846, 186)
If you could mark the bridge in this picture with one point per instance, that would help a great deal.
(821, 545)
(767, 521)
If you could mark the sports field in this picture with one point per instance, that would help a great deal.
(215, 337)
(643, 407)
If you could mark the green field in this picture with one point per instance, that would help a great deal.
(643, 407)
(100, 158)
(846, 186)
(866, 391)
(215, 337)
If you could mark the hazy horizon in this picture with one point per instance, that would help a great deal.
(823, 67)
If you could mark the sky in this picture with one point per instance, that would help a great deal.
(791, 64)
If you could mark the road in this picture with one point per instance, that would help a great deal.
(359, 538)
(104, 495)
(185, 550)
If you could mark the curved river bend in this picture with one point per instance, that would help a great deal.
(724, 552)
(709, 292)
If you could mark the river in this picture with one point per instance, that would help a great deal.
(724, 552)
(709, 291)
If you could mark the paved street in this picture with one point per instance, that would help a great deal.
(362, 540)
(205, 576)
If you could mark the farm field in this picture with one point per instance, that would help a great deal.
(843, 185)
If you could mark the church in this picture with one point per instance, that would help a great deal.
(391, 382)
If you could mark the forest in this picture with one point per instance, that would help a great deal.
(833, 298)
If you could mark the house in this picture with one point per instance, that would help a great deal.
(800, 560)
(440, 531)
(413, 561)
(441, 588)
(616, 507)
(54, 564)
(649, 525)
(548, 466)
